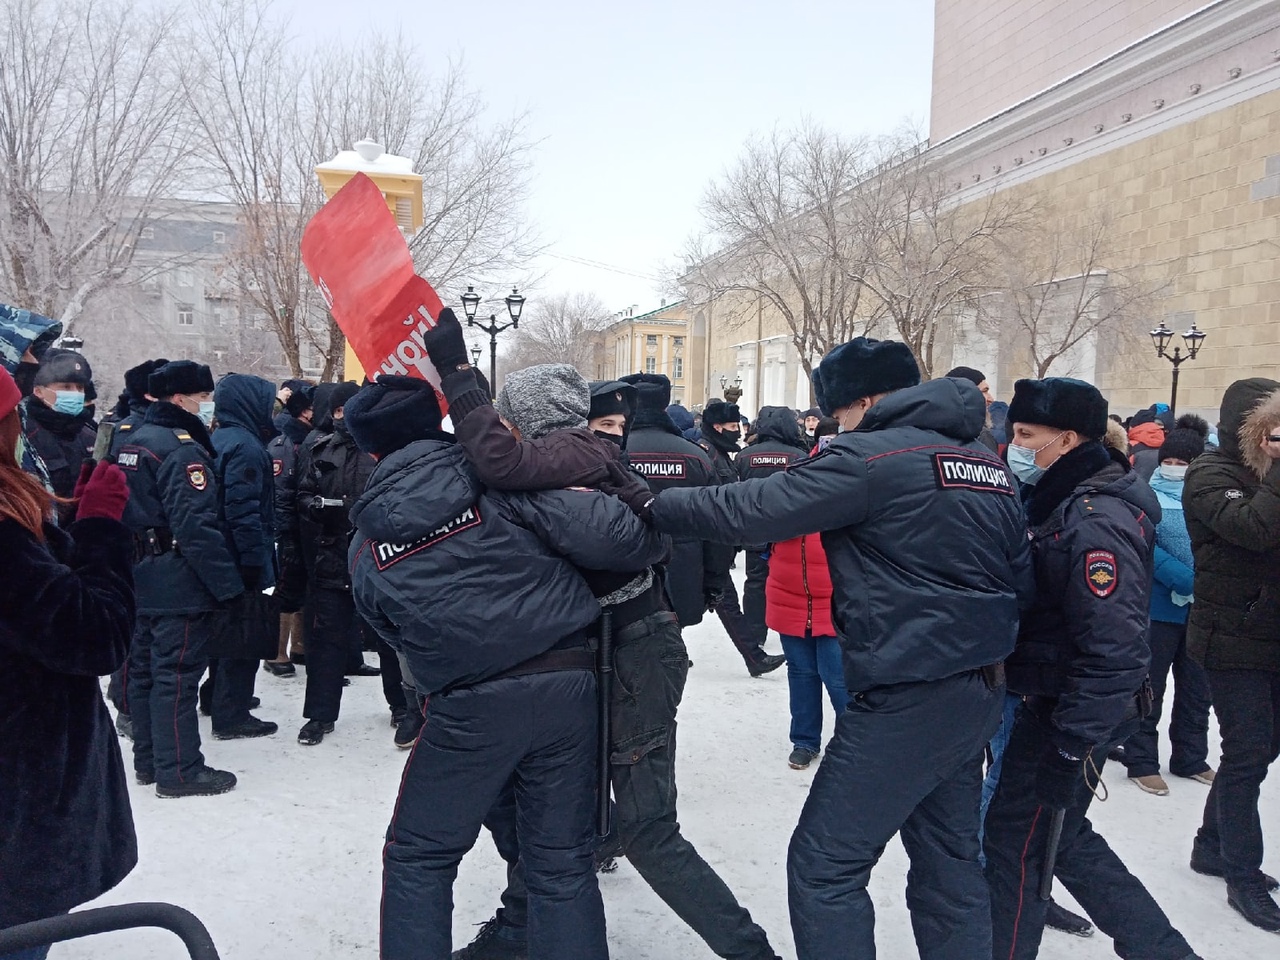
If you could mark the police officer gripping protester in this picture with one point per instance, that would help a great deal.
(928, 559)
(1080, 663)
(479, 591)
(185, 572)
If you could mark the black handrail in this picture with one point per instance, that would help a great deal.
(86, 923)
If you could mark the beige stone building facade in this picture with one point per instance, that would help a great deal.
(1164, 117)
(659, 341)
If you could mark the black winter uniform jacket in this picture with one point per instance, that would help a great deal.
(468, 584)
(335, 469)
(1083, 643)
(64, 443)
(169, 462)
(921, 525)
(776, 447)
(245, 426)
(1232, 504)
(66, 616)
(667, 461)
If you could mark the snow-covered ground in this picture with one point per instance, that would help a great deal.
(288, 865)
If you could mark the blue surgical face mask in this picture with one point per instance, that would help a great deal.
(206, 412)
(70, 402)
(1022, 461)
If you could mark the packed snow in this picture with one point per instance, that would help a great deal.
(288, 865)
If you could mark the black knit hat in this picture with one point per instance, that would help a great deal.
(342, 395)
(300, 401)
(180, 376)
(63, 366)
(136, 379)
(611, 398)
(967, 373)
(1061, 402)
(653, 390)
(1181, 444)
(295, 385)
(392, 413)
(863, 368)
(717, 411)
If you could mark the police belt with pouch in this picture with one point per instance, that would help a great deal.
(153, 542)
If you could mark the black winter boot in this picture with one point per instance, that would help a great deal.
(1063, 920)
(206, 783)
(1251, 900)
(1208, 863)
(489, 945)
(410, 727)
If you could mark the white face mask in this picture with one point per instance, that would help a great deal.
(1173, 473)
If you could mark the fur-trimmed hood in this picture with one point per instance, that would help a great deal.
(1258, 423)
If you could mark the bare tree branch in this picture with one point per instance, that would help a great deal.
(562, 329)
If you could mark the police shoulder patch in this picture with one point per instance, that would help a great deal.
(387, 554)
(962, 471)
(277, 466)
(660, 469)
(1101, 572)
(127, 458)
(197, 477)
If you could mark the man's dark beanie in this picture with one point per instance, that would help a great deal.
(180, 376)
(1061, 402)
(1181, 444)
(717, 411)
(611, 398)
(300, 401)
(967, 373)
(653, 390)
(63, 366)
(392, 413)
(342, 395)
(863, 368)
(295, 385)
(137, 379)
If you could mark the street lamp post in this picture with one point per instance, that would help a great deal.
(731, 394)
(470, 304)
(1193, 339)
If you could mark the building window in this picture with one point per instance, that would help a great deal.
(650, 365)
(651, 339)
(185, 278)
(186, 315)
(148, 233)
(677, 369)
(677, 342)
(219, 236)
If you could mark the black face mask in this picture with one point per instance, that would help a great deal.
(340, 427)
(25, 377)
(611, 437)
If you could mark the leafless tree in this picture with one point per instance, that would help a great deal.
(926, 257)
(1058, 284)
(779, 234)
(90, 138)
(562, 329)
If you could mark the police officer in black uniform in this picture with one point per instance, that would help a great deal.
(929, 561)
(185, 576)
(56, 426)
(1080, 665)
(776, 445)
(698, 574)
(291, 585)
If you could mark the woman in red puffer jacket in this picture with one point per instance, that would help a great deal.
(798, 606)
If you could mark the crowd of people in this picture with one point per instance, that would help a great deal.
(992, 598)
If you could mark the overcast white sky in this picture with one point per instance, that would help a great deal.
(638, 105)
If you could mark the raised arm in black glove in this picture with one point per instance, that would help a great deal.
(445, 344)
(629, 488)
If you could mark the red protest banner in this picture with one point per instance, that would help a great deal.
(360, 263)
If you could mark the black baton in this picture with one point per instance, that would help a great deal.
(1051, 854)
(604, 687)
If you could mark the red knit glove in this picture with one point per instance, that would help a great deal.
(86, 471)
(105, 495)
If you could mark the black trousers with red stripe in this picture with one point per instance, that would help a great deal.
(1017, 829)
(166, 662)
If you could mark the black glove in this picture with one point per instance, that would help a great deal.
(1058, 777)
(713, 598)
(445, 344)
(252, 576)
(629, 488)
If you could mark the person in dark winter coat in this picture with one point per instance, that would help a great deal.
(776, 445)
(242, 407)
(431, 545)
(186, 576)
(1080, 664)
(1172, 593)
(291, 584)
(56, 428)
(979, 379)
(1232, 504)
(686, 425)
(928, 558)
(66, 614)
(24, 339)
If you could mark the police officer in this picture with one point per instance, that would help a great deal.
(479, 591)
(185, 575)
(776, 445)
(1080, 664)
(928, 557)
(55, 423)
(292, 584)
(698, 574)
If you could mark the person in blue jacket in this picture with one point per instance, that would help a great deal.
(1171, 597)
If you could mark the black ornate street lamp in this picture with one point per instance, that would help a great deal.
(1193, 339)
(470, 305)
(731, 394)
